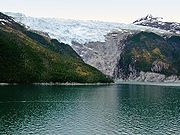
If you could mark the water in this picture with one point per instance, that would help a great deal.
(90, 110)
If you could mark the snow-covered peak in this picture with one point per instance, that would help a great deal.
(158, 22)
(148, 18)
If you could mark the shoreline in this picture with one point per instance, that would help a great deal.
(56, 84)
(176, 84)
(70, 84)
(5, 84)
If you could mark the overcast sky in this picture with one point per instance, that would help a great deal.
(107, 10)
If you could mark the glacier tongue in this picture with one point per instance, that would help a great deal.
(67, 31)
(79, 31)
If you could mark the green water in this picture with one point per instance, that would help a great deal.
(89, 110)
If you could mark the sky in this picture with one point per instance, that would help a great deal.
(124, 11)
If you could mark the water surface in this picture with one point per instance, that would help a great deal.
(90, 110)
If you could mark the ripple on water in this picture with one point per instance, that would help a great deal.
(80, 110)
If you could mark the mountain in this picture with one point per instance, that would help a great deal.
(148, 52)
(28, 56)
(113, 47)
(157, 22)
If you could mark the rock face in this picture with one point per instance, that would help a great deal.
(158, 66)
(155, 77)
(150, 77)
(103, 55)
(157, 22)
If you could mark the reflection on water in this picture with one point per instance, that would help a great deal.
(114, 109)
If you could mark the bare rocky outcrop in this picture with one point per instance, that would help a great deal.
(103, 55)
(152, 77)
(158, 66)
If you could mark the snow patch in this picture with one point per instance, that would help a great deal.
(3, 20)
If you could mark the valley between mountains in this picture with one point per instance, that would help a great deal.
(31, 57)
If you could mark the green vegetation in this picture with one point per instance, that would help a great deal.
(27, 57)
(144, 49)
(53, 45)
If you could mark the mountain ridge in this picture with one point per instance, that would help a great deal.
(103, 45)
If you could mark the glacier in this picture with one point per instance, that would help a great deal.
(67, 30)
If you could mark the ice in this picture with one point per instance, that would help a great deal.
(66, 30)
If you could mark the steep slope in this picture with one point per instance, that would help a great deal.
(157, 22)
(104, 55)
(27, 57)
(148, 52)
